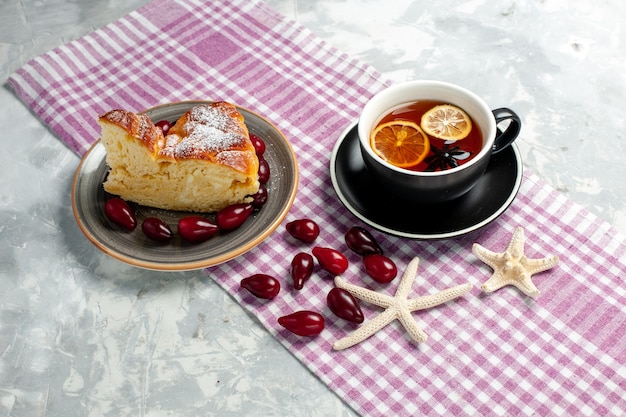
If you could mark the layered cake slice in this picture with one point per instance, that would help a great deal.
(205, 162)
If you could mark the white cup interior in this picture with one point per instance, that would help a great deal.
(411, 91)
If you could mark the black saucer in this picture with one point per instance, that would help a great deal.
(390, 213)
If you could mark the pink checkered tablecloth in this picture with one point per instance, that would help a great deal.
(563, 353)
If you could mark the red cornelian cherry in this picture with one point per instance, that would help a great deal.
(264, 170)
(360, 241)
(196, 229)
(260, 197)
(261, 286)
(301, 269)
(120, 213)
(380, 267)
(305, 230)
(331, 260)
(164, 125)
(233, 216)
(156, 229)
(258, 143)
(344, 305)
(303, 323)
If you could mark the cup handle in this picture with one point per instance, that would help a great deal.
(505, 137)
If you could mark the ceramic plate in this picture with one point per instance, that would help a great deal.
(88, 198)
(383, 210)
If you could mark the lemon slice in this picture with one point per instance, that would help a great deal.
(400, 142)
(447, 122)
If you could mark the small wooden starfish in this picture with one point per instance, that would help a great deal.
(397, 307)
(512, 266)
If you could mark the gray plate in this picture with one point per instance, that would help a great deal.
(88, 198)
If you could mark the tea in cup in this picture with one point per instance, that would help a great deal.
(430, 141)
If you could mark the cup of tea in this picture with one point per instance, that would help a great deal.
(430, 141)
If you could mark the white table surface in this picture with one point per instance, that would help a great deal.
(561, 64)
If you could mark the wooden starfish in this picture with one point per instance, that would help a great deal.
(512, 266)
(397, 307)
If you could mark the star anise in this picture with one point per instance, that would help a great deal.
(446, 157)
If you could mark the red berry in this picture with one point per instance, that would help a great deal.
(196, 229)
(305, 230)
(303, 323)
(233, 216)
(164, 125)
(120, 213)
(260, 197)
(156, 229)
(331, 260)
(258, 143)
(344, 305)
(264, 170)
(261, 285)
(301, 269)
(362, 242)
(381, 268)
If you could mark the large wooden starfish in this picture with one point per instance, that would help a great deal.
(512, 267)
(397, 307)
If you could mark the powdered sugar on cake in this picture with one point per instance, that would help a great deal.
(235, 159)
(208, 130)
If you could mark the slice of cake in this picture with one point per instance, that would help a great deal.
(205, 163)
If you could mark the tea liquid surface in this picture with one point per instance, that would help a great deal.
(443, 154)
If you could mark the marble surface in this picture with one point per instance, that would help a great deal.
(82, 334)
